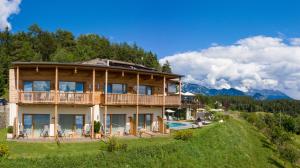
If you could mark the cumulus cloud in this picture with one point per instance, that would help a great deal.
(258, 62)
(8, 8)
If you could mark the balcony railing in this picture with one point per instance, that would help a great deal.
(36, 97)
(75, 98)
(121, 99)
(87, 98)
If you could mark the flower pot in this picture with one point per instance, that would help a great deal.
(9, 136)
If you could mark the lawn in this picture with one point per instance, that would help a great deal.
(233, 143)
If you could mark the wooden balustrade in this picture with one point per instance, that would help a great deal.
(121, 99)
(75, 98)
(36, 97)
(87, 98)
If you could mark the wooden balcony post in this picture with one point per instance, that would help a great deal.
(164, 105)
(56, 102)
(180, 89)
(16, 133)
(93, 100)
(137, 102)
(105, 100)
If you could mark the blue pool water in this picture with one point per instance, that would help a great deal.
(176, 124)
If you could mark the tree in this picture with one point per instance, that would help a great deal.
(166, 67)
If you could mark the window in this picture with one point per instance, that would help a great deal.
(71, 86)
(144, 121)
(37, 86)
(144, 90)
(117, 88)
(172, 88)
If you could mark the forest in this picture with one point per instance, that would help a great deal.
(40, 45)
(248, 104)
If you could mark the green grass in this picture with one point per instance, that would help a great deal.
(233, 143)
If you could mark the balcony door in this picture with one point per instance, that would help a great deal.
(144, 121)
(116, 123)
(34, 124)
(72, 123)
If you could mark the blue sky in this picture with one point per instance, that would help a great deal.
(164, 27)
(220, 44)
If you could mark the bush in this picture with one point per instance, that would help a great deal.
(183, 135)
(278, 136)
(96, 126)
(10, 129)
(3, 150)
(289, 153)
(113, 144)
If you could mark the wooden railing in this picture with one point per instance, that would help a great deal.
(87, 98)
(150, 100)
(121, 99)
(36, 97)
(75, 98)
(172, 100)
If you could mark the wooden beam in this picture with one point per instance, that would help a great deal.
(56, 102)
(16, 133)
(105, 100)
(137, 102)
(180, 85)
(164, 104)
(93, 97)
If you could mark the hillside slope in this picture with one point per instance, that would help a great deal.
(233, 143)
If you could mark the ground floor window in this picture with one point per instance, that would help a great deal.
(72, 123)
(144, 121)
(36, 124)
(115, 123)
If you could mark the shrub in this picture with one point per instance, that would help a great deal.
(278, 136)
(113, 144)
(96, 126)
(183, 135)
(289, 153)
(10, 129)
(3, 150)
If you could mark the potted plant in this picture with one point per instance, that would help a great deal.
(97, 126)
(9, 134)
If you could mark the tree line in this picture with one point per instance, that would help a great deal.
(248, 104)
(37, 44)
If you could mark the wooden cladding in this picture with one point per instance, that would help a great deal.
(87, 98)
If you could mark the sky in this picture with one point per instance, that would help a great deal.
(217, 43)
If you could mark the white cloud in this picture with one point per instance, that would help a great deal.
(7, 8)
(295, 41)
(256, 62)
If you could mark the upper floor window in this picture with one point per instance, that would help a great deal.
(172, 88)
(37, 86)
(144, 90)
(71, 86)
(118, 88)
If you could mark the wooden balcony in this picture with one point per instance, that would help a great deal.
(87, 99)
(37, 97)
(75, 98)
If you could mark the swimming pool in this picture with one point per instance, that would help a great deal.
(176, 125)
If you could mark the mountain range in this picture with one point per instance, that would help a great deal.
(256, 94)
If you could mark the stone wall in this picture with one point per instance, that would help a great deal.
(3, 116)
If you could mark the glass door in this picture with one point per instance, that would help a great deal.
(118, 123)
(27, 123)
(40, 122)
(79, 123)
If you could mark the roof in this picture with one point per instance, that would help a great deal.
(101, 63)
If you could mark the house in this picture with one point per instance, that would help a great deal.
(124, 97)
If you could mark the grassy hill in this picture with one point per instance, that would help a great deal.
(233, 143)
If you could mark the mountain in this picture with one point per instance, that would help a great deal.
(257, 94)
(267, 94)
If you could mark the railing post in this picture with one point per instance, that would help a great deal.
(164, 105)
(180, 90)
(56, 102)
(105, 100)
(93, 100)
(137, 102)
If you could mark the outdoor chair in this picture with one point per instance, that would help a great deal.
(22, 132)
(86, 131)
(60, 132)
(45, 131)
